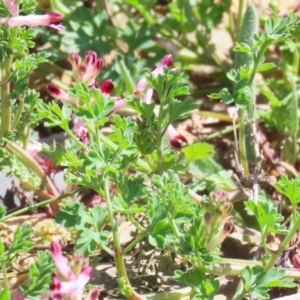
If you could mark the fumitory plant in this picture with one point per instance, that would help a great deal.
(124, 149)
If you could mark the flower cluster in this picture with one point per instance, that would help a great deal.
(51, 20)
(86, 71)
(69, 279)
(175, 138)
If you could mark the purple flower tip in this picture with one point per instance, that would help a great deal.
(107, 86)
(53, 90)
(167, 60)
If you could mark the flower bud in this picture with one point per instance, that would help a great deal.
(220, 236)
(51, 20)
(80, 130)
(296, 261)
(62, 267)
(59, 94)
(93, 294)
(175, 138)
(107, 86)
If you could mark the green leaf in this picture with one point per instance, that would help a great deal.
(267, 216)
(39, 276)
(266, 67)
(5, 294)
(290, 188)
(197, 151)
(178, 110)
(2, 212)
(21, 242)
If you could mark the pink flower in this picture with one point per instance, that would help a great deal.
(59, 94)
(74, 288)
(51, 20)
(12, 7)
(88, 70)
(296, 261)
(166, 61)
(62, 267)
(79, 129)
(69, 279)
(221, 235)
(175, 138)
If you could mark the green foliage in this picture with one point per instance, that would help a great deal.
(267, 216)
(257, 281)
(197, 151)
(204, 287)
(88, 223)
(290, 188)
(39, 276)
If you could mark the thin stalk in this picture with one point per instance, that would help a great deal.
(40, 204)
(4, 274)
(172, 295)
(135, 223)
(118, 255)
(160, 133)
(257, 61)
(18, 113)
(107, 250)
(284, 243)
(139, 238)
(6, 67)
(76, 140)
(241, 10)
(242, 142)
(219, 133)
(58, 6)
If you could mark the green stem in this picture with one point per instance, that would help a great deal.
(295, 225)
(172, 295)
(137, 225)
(40, 204)
(139, 238)
(219, 133)
(242, 142)
(4, 274)
(18, 113)
(6, 67)
(118, 255)
(76, 140)
(107, 250)
(257, 61)
(241, 10)
(59, 7)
